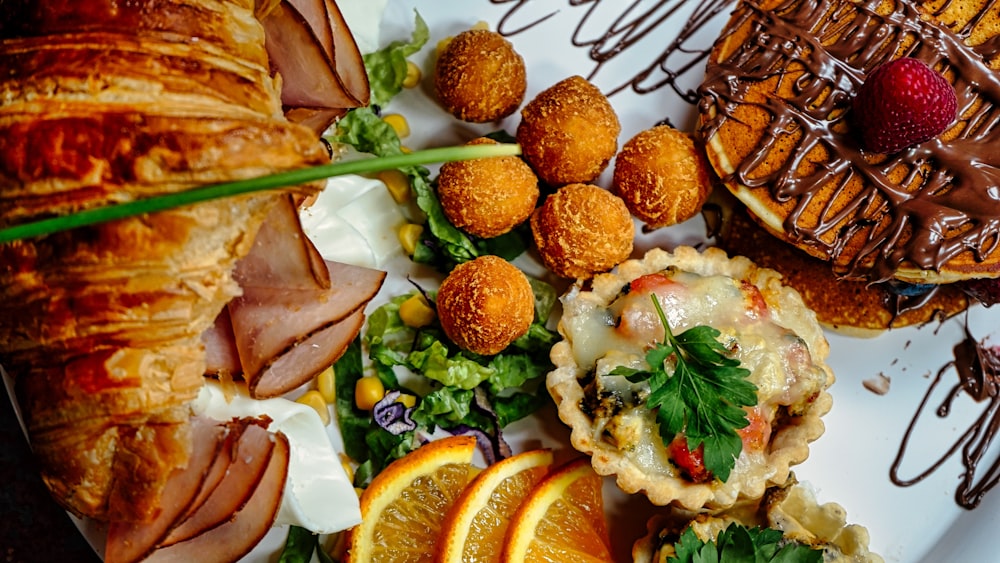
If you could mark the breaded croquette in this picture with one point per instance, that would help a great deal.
(661, 176)
(479, 77)
(485, 304)
(569, 132)
(487, 197)
(582, 230)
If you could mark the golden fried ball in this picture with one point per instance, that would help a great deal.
(661, 176)
(582, 230)
(485, 304)
(487, 197)
(569, 132)
(479, 77)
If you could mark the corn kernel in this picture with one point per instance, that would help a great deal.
(345, 462)
(398, 124)
(313, 399)
(481, 24)
(326, 384)
(407, 400)
(409, 236)
(443, 44)
(405, 149)
(413, 75)
(397, 183)
(368, 391)
(415, 312)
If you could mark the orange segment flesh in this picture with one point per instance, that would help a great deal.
(475, 527)
(562, 519)
(404, 507)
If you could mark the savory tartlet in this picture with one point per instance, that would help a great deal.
(611, 323)
(792, 510)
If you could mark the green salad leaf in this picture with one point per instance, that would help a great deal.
(387, 66)
(300, 545)
(701, 397)
(364, 441)
(739, 544)
(455, 389)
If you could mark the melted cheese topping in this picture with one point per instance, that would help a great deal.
(620, 333)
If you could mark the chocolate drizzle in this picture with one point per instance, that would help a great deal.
(978, 369)
(868, 214)
(621, 26)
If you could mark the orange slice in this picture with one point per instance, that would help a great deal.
(562, 519)
(475, 527)
(404, 506)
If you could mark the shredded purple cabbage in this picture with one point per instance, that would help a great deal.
(483, 440)
(493, 446)
(393, 416)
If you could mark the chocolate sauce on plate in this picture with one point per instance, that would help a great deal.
(610, 29)
(978, 370)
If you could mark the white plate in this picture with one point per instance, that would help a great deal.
(619, 47)
(647, 55)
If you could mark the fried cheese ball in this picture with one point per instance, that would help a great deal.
(487, 197)
(485, 304)
(479, 77)
(569, 132)
(661, 176)
(582, 230)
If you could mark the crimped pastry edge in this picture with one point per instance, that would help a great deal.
(789, 445)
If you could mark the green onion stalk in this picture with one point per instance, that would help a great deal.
(240, 187)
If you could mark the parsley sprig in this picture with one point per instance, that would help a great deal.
(739, 544)
(703, 397)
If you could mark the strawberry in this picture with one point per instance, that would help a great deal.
(903, 103)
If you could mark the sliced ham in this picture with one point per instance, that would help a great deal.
(247, 461)
(309, 44)
(131, 541)
(221, 355)
(297, 313)
(307, 358)
(213, 477)
(238, 536)
(269, 323)
(282, 255)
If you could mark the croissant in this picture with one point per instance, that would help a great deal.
(100, 327)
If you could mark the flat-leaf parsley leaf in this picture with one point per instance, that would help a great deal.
(739, 544)
(702, 398)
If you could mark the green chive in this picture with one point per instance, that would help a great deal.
(240, 187)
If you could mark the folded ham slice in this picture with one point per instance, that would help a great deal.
(323, 69)
(246, 461)
(298, 312)
(132, 541)
(272, 324)
(236, 537)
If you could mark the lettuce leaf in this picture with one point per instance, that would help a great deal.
(510, 381)
(453, 370)
(387, 66)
